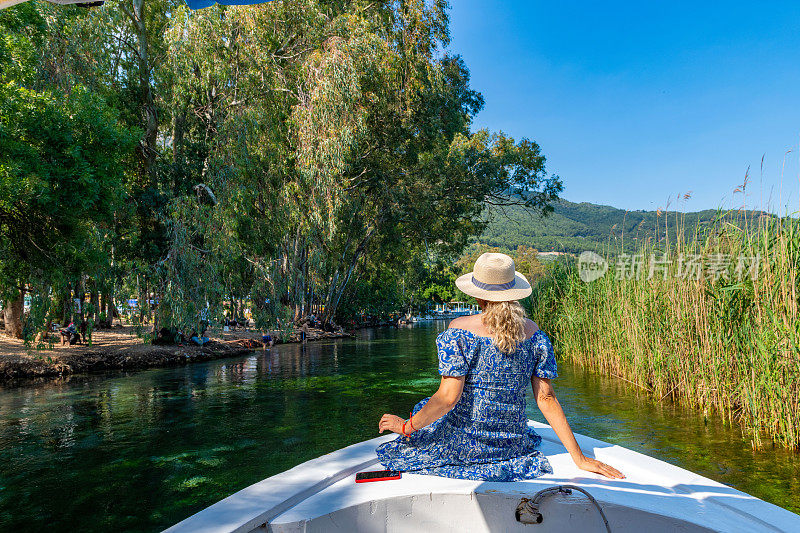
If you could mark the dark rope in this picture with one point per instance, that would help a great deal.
(533, 503)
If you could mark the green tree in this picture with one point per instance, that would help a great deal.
(61, 175)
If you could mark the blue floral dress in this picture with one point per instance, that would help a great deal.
(486, 435)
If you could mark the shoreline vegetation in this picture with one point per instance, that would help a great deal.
(121, 348)
(704, 328)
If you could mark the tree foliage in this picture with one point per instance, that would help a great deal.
(296, 155)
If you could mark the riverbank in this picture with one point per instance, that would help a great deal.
(121, 348)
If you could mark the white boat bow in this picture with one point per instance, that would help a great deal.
(321, 495)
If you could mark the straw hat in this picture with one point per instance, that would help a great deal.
(494, 278)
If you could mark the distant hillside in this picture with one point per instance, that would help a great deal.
(584, 226)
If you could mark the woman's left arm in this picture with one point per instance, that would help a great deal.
(440, 404)
(552, 411)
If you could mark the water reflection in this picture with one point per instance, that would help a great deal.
(140, 451)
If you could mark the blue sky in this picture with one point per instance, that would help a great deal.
(635, 102)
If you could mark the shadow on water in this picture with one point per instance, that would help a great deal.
(141, 451)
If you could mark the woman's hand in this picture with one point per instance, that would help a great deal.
(593, 465)
(392, 423)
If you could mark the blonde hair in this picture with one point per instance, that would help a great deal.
(506, 321)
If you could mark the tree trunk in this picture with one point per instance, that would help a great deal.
(150, 296)
(12, 314)
(154, 315)
(335, 295)
(81, 297)
(142, 302)
(66, 306)
(105, 304)
(94, 298)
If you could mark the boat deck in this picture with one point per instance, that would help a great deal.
(321, 494)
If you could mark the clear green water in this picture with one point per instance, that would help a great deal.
(141, 451)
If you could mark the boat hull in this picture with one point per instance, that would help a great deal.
(482, 511)
(321, 495)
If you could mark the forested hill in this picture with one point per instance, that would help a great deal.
(574, 227)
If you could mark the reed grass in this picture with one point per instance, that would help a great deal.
(726, 342)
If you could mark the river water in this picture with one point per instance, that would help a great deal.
(140, 451)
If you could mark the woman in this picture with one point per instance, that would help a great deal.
(475, 427)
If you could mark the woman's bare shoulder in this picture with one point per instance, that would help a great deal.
(456, 322)
(465, 322)
(530, 328)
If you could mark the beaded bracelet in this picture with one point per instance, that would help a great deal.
(410, 423)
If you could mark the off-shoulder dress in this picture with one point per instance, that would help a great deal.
(486, 435)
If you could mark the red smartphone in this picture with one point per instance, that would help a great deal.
(378, 475)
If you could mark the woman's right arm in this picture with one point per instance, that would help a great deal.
(552, 411)
(441, 403)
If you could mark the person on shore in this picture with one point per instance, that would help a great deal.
(64, 334)
(70, 335)
(83, 329)
(204, 314)
(474, 426)
(198, 339)
(304, 332)
(267, 340)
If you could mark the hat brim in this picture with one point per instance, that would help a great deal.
(521, 289)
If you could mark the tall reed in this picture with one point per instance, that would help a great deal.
(725, 341)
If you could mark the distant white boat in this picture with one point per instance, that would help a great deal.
(321, 495)
(448, 311)
(455, 308)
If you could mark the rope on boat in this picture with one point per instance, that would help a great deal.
(532, 505)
